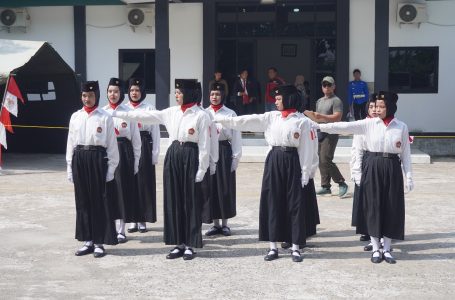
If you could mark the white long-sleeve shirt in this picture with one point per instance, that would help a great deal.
(214, 147)
(358, 146)
(127, 129)
(96, 129)
(315, 143)
(226, 134)
(189, 126)
(154, 129)
(378, 137)
(292, 131)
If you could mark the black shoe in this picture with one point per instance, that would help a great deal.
(213, 231)
(285, 245)
(273, 256)
(88, 250)
(121, 238)
(389, 260)
(142, 230)
(99, 254)
(132, 229)
(364, 238)
(296, 258)
(173, 255)
(226, 231)
(376, 260)
(368, 247)
(188, 256)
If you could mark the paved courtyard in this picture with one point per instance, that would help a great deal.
(37, 218)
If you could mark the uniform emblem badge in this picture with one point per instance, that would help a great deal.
(99, 129)
(398, 144)
(191, 131)
(296, 135)
(124, 125)
(139, 125)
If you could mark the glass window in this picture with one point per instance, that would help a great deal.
(41, 91)
(138, 63)
(413, 69)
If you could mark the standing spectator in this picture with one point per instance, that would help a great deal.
(329, 109)
(245, 93)
(219, 80)
(357, 96)
(274, 82)
(300, 85)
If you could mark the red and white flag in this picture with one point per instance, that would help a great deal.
(2, 137)
(12, 93)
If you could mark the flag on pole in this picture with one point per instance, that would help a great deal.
(2, 136)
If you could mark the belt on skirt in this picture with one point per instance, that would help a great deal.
(122, 139)
(285, 148)
(145, 133)
(225, 143)
(90, 148)
(383, 154)
(185, 144)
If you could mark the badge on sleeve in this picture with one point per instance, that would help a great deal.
(124, 125)
(296, 135)
(116, 131)
(191, 131)
(398, 144)
(99, 129)
(139, 125)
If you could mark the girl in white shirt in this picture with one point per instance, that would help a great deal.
(381, 185)
(144, 209)
(287, 170)
(92, 157)
(128, 208)
(223, 185)
(185, 164)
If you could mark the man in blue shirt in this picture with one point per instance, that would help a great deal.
(358, 96)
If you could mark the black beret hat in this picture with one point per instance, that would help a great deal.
(90, 86)
(115, 82)
(190, 84)
(285, 90)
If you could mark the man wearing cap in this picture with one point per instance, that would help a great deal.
(329, 109)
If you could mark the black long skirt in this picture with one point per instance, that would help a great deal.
(94, 217)
(357, 211)
(311, 209)
(127, 207)
(182, 196)
(145, 206)
(382, 197)
(282, 205)
(223, 192)
(206, 214)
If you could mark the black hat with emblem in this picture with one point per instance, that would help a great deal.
(117, 82)
(92, 86)
(219, 87)
(141, 84)
(390, 99)
(190, 90)
(291, 96)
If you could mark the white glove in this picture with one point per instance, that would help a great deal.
(70, 177)
(199, 175)
(409, 184)
(109, 176)
(136, 169)
(305, 180)
(235, 164)
(357, 179)
(69, 171)
(212, 168)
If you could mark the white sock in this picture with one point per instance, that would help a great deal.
(133, 225)
(188, 251)
(375, 242)
(216, 223)
(295, 248)
(224, 222)
(179, 248)
(387, 244)
(120, 226)
(141, 225)
(86, 245)
(98, 249)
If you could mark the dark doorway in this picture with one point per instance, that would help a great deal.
(296, 37)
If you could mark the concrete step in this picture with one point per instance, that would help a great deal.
(256, 149)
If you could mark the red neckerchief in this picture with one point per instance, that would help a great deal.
(286, 112)
(388, 119)
(135, 104)
(184, 107)
(90, 109)
(216, 107)
(113, 105)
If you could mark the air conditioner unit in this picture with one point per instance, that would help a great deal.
(14, 18)
(412, 13)
(140, 16)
